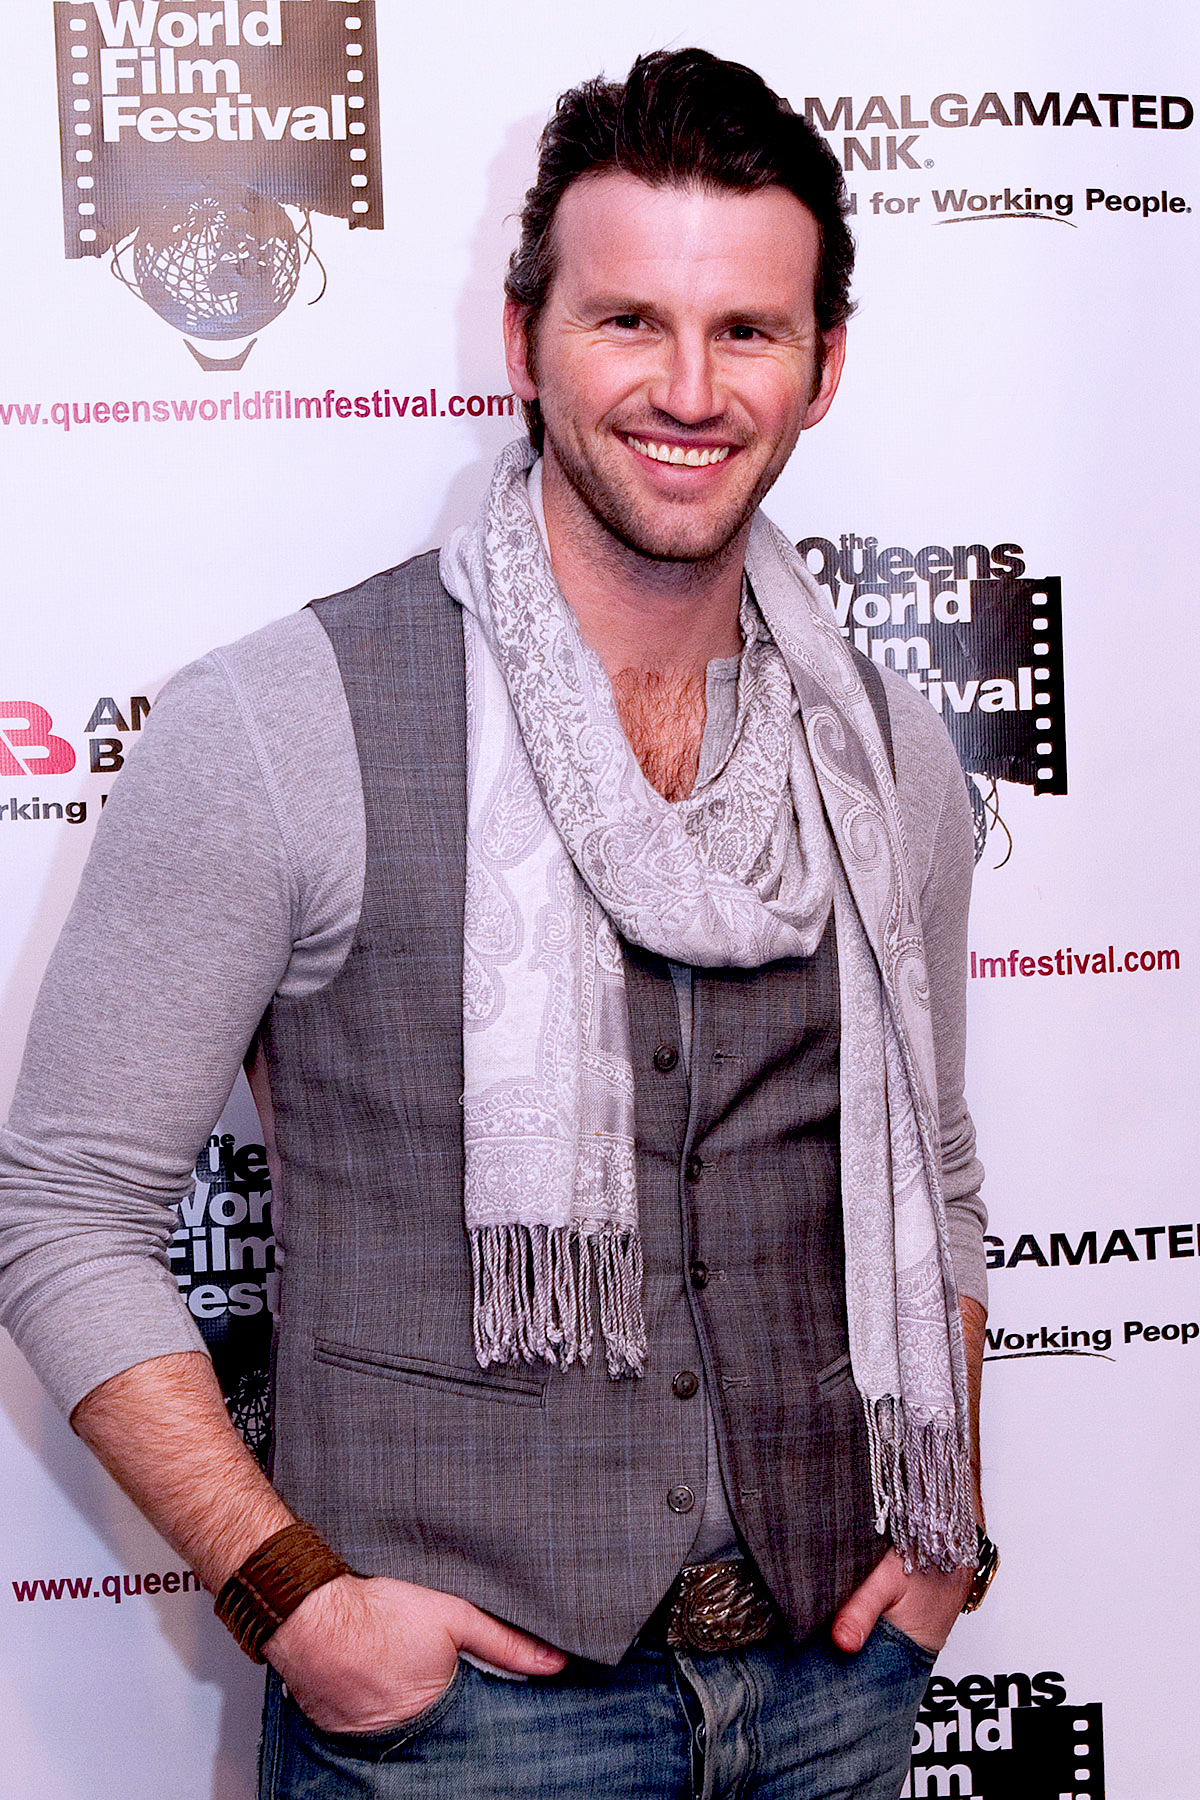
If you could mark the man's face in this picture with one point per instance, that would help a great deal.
(676, 359)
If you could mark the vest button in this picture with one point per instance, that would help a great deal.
(665, 1058)
(699, 1274)
(692, 1168)
(681, 1499)
(685, 1384)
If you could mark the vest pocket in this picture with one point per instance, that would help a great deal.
(835, 1374)
(470, 1384)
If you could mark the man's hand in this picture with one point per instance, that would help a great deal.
(358, 1655)
(361, 1655)
(924, 1605)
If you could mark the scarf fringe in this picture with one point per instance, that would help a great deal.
(533, 1297)
(922, 1486)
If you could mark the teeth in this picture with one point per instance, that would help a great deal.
(676, 454)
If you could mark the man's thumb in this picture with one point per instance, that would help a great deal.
(508, 1648)
(856, 1620)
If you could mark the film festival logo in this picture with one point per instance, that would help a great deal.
(198, 142)
(223, 1257)
(1006, 1737)
(977, 637)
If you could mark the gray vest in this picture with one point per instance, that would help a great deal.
(562, 1501)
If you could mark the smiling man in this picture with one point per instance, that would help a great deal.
(678, 335)
(610, 1061)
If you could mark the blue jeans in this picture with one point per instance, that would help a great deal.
(801, 1721)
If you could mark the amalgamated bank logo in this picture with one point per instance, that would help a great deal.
(31, 751)
(29, 744)
(198, 141)
(894, 133)
(976, 636)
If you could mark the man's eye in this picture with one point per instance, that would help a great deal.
(627, 321)
(742, 334)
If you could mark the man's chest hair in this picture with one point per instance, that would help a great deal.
(662, 713)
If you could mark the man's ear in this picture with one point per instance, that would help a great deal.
(833, 360)
(517, 355)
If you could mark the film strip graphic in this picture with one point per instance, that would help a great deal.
(993, 669)
(1009, 1753)
(1014, 727)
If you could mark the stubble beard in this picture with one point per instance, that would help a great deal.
(672, 543)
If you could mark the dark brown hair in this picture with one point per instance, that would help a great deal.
(683, 118)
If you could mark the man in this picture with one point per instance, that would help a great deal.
(613, 1095)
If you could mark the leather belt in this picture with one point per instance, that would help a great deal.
(713, 1607)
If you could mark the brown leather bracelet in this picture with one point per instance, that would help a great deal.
(272, 1582)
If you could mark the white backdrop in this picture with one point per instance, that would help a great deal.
(1011, 380)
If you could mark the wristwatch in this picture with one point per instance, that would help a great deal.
(988, 1561)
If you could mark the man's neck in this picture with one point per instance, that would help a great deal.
(641, 615)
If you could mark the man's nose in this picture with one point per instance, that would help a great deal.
(685, 384)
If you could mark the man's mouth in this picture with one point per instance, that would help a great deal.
(682, 457)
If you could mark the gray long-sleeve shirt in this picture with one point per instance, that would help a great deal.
(228, 867)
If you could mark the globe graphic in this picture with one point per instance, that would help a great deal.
(222, 266)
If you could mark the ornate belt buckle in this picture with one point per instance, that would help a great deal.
(718, 1606)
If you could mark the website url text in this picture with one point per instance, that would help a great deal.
(277, 404)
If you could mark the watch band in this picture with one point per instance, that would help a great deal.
(985, 1572)
(271, 1583)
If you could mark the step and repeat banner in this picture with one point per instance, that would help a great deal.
(254, 254)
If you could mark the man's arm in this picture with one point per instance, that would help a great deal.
(930, 786)
(357, 1654)
(169, 972)
(99, 1147)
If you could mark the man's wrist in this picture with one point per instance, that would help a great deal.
(273, 1581)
